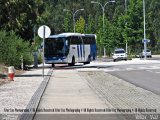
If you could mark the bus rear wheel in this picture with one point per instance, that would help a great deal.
(72, 63)
(89, 60)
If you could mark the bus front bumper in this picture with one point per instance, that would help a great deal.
(57, 61)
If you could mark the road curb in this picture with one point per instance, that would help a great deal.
(35, 100)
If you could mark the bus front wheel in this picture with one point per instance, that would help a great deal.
(53, 65)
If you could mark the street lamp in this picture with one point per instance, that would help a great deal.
(126, 25)
(145, 42)
(74, 14)
(103, 8)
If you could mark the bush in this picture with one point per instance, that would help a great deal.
(12, 48)
(40, 60)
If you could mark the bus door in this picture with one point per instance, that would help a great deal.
(77, 48)
(82, 50)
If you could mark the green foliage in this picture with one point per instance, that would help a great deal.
(68, 23)
(80, 25)
(36, 44)
(13, 48)
(120, 26)
(40, 60)
(109, 37)
(21, 16)
(90, 25)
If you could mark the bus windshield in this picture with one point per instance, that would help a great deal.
(56, 47)
(119, 51)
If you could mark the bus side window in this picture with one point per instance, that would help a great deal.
(87, 40)
(69, 40)
(75, 40)
(81, 40)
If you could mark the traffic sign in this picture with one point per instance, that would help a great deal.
(145, 40)
(44, 31)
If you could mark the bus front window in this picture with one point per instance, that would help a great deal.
(55, 47)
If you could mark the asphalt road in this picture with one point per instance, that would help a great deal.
(148, 79)
(144, 76)
(110, 59)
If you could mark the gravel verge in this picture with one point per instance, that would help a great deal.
(16, 95)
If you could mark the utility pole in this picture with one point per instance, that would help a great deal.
(126, 25)
(144, 40)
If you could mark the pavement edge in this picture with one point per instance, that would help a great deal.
(35, 100)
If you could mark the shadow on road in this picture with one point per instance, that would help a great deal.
(31, 75)
(80, 66)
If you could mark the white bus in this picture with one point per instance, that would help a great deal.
(70, 48)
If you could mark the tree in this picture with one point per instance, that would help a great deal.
(13, 48)
(100, 36)
(80, 25)
(90, 25)
(109, 37)
(135, 24)
(67, 23)
(153, 17)
(20, 16)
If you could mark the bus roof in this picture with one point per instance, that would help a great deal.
(90, 35)
(71, 34)
(53, 36)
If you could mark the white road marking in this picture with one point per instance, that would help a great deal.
(110, 70)
(155, 67)
(130, 69)
(148, 68)
(149, 71)
(142, 68)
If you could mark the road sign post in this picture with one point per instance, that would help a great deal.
(44, 32)
(145, 41)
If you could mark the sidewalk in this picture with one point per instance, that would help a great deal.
(15, 95)
(68, 95)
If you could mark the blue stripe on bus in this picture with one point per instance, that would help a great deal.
(81, 49)
(84, 51)
(78, 50)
